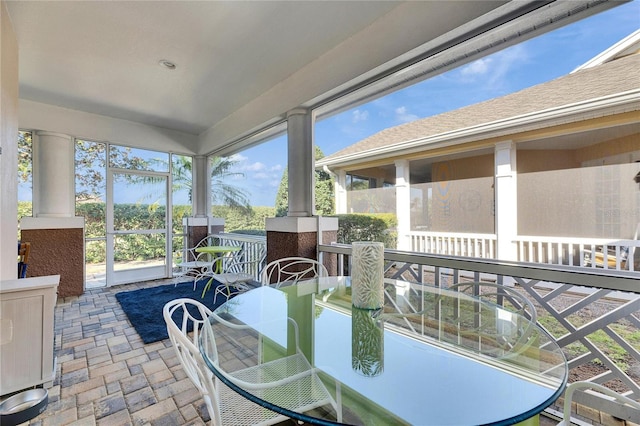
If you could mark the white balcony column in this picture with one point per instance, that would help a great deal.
(341, 192)
(54, 192)
(506, 200)
(301, 161)
(403, 204)
(201, 187)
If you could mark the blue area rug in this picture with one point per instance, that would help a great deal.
(144, 307)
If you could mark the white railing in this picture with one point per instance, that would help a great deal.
(253, 252)
(584, 252)
(454, 244)
(587, 252)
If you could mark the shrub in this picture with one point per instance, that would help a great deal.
(243, 219)
(367, 227)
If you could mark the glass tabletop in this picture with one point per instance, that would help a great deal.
(429, 356)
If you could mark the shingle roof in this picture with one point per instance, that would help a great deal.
(614, 77)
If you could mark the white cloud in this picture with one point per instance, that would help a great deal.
(359, 115)
(481, 66)
(403, 116)
(255, 167)
(494, 68)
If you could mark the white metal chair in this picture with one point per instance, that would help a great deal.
(292, 269)
(192, 263)
(630, 409)
(236, 273)
(225, 406)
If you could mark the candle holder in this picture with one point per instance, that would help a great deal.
(367, 275)
(367, 342)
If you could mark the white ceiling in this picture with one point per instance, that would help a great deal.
(240, 64)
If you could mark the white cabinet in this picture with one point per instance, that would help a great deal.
(27, 332)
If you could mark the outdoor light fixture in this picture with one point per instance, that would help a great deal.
(167, 64)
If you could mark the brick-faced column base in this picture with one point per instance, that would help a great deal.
(298, 237)
(198, 228)
(57, 248)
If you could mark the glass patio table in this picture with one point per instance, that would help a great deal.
(430, 356)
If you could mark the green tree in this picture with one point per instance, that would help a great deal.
(222, 193)
(91, 167)
(25, 156)
(324, 184)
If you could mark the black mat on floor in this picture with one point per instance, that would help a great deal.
(144, 306)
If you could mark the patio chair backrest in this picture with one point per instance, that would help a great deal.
(292, 269)
(192, 314)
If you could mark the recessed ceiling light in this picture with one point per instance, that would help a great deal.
(167, 64)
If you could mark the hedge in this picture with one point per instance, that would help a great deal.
(352, 227)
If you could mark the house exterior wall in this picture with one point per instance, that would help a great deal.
(624, 145)
(534, 160)
(560, 193)
(462, 168)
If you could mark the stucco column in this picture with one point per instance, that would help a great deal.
(403, 204)
(341, 192)
(301, 160)
(53, 175)
(201, 223)
(299, 233)
(8, 147)
(55, 233)
(506, 195)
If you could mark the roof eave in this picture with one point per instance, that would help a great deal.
(606, 105)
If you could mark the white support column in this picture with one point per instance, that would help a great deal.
(341, 192)
(201, 187)
(53, 175)
(506, 199)
(403, 203)
(301, 160)
(8, 147)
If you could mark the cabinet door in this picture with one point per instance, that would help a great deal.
(26, 355)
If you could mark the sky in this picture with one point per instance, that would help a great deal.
(532, 62)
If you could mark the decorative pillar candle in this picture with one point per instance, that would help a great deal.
(367, 275)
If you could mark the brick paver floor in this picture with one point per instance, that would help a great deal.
(106, 375)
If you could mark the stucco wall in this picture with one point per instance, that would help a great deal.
(613, 147)
(9, 145)
(58, 252)
(545, 160)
